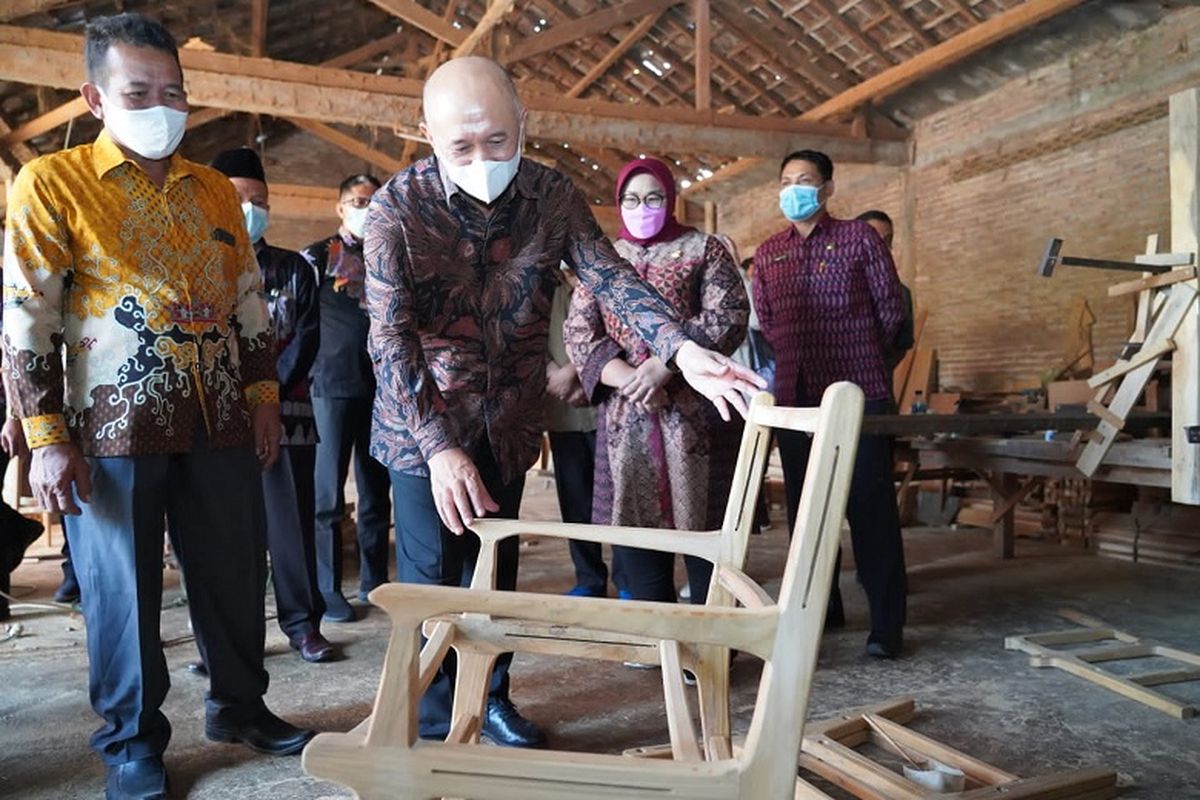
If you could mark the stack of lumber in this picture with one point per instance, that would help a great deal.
(1069, 506)
(1165, 534)
(976, 510)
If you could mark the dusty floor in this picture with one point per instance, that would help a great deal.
(970, 691)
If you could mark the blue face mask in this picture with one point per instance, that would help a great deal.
(256, 221)
(798, 203)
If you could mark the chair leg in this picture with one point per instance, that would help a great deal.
(471, 690)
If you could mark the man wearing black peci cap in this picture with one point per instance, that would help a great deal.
(290, 285)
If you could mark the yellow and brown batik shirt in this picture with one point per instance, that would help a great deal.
(133, 315)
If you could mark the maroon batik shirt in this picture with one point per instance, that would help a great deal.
(828, 303)
(460, 301)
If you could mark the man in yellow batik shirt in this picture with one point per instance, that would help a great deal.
(142, 366)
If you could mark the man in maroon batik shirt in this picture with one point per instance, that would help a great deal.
(829, 302)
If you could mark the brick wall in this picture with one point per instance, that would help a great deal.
(1076, 149)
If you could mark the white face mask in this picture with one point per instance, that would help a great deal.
(152, 133)
(486, 180)
(355, 220)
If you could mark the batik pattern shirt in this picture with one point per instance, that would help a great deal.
(460, 301)
(290, 284)
(829, 304)
(133, 314)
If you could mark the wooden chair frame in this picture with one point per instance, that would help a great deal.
(384, 757)
(828, 751)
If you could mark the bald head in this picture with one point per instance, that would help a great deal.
(472, 111)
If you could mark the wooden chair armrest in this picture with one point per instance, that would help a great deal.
(748, 629)
(703, 544)
(743, 587)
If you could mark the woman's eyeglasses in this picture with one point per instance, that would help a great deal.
(653, 200)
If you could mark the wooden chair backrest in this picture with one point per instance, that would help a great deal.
(776, 728)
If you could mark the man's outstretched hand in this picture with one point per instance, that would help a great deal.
(719, 378)
(458, 490)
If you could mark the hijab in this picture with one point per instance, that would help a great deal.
(671, 229)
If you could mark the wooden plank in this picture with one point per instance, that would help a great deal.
(939, 57)
(1151, 352)
(387, 163)
(286, 89)
(903, 370)
(259, 12)
(1185, 238)
(496, 11)
(1166, 677)
(1012, 500)
(1180, 305)
(702, 60)
(590, 25)
(1003, 529)
(1153, 282)
(367, 51)
(919, 379)
(416, 14)
(15, 9)
(1115, 421)
(45, 122)
(614, 54)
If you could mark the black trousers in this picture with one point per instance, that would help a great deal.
(650, 574)
(574, 478)
(428, 553)
(11, 524)
(344, 425)
(874, 526)
(212, 502)
(289, 497)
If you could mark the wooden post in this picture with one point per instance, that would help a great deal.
(1004, 529)
(710, 217)
(703, 57)
(1185, 362)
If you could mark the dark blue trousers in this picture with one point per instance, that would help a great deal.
(574, 479)
(344, 425)
(288, 493)
(212, 503)
(874, 525)
(428, 553)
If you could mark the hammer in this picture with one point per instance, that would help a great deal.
(1151, 263)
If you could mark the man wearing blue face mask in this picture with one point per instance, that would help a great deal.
(828, 300)
(291, 288)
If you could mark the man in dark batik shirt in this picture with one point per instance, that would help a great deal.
(462, 253)
(290, 286)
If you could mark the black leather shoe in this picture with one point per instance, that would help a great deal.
(884, 650)
(504, 725)
(337, 609)
(142, 779)
(67, 591)
(266, 733)
(313, 647)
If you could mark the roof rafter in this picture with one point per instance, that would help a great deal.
(614, 54)
(583, 27)
(418, 15)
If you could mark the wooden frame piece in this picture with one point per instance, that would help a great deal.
(384, 757)
(1082, 663)
(828, 751)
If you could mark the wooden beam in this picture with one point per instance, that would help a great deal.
(259, 12)
(416, 14)
(15, 9)
(702, 61)
(45, 122)
(284, 89)
(941, 56)
(294, 201)
(614, 54)
(496, 11)
(367, 51)
(854, 34)
(1185, 238)
(583, 27)
(387, 163)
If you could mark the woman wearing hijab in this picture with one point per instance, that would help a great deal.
(664, 457)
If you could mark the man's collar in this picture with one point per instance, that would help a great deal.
(107, 156)
(824, 222)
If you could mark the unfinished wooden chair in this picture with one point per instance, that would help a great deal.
(385, 758)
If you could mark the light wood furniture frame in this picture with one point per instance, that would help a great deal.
(1111, 645)
(385, 758)
(829, 751)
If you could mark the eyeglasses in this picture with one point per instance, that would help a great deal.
(653, 200)
(357, 202)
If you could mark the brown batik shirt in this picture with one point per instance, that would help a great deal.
(460, 302)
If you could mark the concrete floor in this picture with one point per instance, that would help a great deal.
(971, 693)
